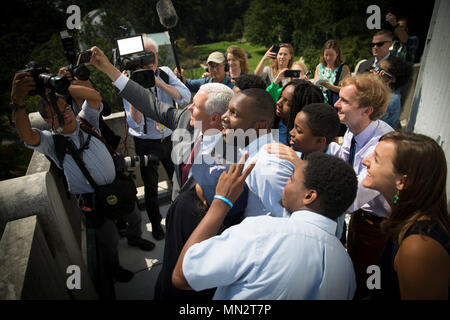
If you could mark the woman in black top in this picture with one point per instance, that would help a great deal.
(410, 171)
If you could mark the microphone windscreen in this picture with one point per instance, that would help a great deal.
(167, 14)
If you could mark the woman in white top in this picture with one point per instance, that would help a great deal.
(282, 59)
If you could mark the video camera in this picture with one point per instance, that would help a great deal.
(132, 58)
(58, 83)
(76, 61)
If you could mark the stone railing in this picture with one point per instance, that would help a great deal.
(41, 230)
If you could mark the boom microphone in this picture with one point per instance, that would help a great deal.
(167, 14)
(168, 18)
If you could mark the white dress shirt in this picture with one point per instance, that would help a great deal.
(366, 199)
(271, 258)
(267, 179)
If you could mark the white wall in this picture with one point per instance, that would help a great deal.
(430, 114)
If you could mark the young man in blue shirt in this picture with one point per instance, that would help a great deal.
(271, 258)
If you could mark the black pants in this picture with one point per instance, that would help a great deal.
(162, 149)
(365, 244)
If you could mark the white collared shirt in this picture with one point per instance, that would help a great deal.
(366, 199)
(267, 179)
(271, 258)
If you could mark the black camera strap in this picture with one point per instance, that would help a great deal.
(54, 105)
(76, 155)
(88, 128)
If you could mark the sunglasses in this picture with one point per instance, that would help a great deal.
(384, 72)
(378, 44)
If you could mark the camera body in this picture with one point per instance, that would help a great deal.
(81, 72)
(132, 58)
(76, 67)
(275, 48)
(44, 80)
(292, 73)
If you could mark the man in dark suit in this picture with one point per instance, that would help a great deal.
(201, 118)
(381, 42)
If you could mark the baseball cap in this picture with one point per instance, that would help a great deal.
(216, 57)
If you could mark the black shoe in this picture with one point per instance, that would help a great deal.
(143, 244)
(157, 231)
(123, 275)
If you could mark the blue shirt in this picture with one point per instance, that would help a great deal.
(271, 258)
(156, 130)
(366, 199)
(283, 134)
(267, 179)
(195, 84)
(96, 158)
(393, 110)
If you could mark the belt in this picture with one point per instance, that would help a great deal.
(372, 219)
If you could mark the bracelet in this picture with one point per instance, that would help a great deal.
(228, 202)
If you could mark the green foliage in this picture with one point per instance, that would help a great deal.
(308, 24)
(14, 160)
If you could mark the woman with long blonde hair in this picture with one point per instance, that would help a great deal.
(280, 60)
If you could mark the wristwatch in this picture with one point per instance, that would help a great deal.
(14, 106)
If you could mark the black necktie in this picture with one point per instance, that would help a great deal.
(351, 156)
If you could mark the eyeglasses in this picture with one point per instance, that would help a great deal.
(55, 116)
(384, 72)
(379, 44)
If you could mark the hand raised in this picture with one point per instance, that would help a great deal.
(22, 84)
(231, 182)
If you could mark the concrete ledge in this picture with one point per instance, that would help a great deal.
(27, 269)
(43, 195)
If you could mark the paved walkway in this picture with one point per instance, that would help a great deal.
(146, 265)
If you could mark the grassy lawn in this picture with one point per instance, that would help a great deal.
(255, 52)
(202, 52)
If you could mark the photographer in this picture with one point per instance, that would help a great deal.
(96, 157)
(151, 137)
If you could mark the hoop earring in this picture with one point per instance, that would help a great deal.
(396, 197)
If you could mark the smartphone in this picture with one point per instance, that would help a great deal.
(130, 45)
(84, 57)
(275, 48)
(292, 73)
(308, 73)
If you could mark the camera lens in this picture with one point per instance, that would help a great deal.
(58, 83)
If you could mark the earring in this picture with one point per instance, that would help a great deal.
(396, 197)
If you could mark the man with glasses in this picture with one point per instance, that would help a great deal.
(381, 43)
(151, 137)
(216, 68)
(97, 160)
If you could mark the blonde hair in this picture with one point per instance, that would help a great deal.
(301, 64)
(274, 67)
(241, 56)
(371, 92)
